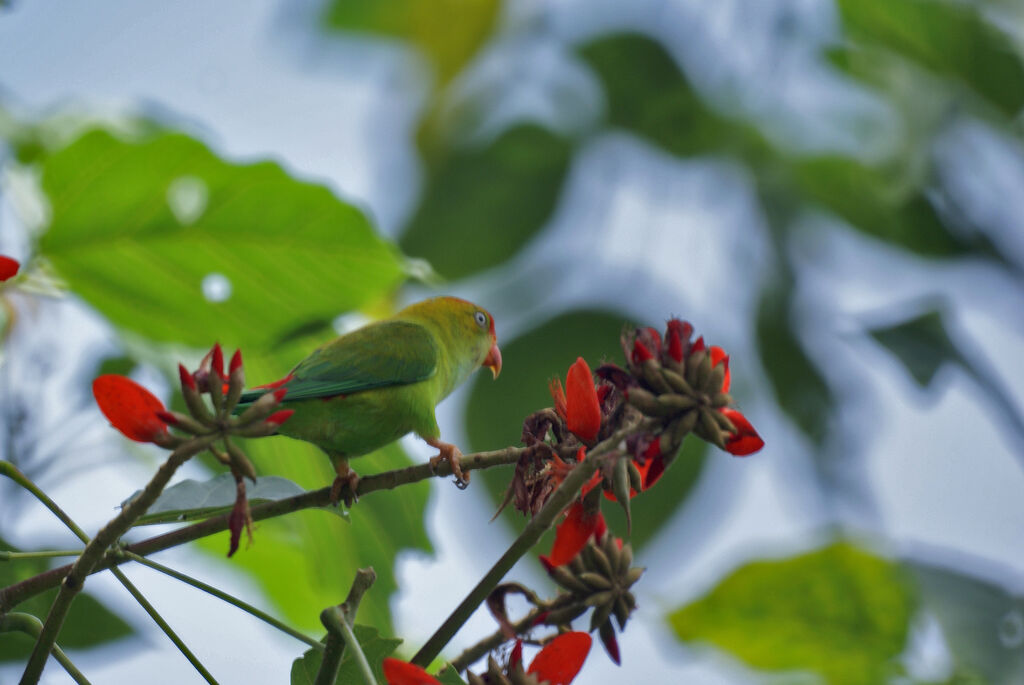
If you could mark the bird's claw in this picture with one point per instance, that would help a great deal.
(453, 456)
(346, 484)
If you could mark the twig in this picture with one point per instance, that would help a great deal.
(338, 622)
(95, 549)
(30, 625)
(19, 592)
(559, 500)
(12, 472)
(6, 555)
(230, 599)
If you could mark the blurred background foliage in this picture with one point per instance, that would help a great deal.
(177, 245)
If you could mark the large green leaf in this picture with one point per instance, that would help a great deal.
(948, 37)
(798, 386)
(648, 94)
(89, 623)
(496, 410)
(866, 199)
(839, 611)
(481, 205)
(138, 225)
(449, 32)
(983, 623)
(375, 648)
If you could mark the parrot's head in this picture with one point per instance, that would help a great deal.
(469, 330)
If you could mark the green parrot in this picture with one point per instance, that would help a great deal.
(370, 387)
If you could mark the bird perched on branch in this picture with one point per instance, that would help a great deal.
(370, 387)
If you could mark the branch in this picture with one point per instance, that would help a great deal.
(568, 491)
(13, 595)
(338, 622)
(30, 625)
(97, 547)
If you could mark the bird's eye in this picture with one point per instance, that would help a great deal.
(481, 319)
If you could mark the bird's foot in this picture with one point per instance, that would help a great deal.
(346, 483)
(453, 456)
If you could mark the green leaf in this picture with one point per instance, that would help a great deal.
(488, 202)
(865, 198)
(449, 676)
(191, 500)
(921, 344)
(798, 386)
(448, 32)
(839, 611)
(138, 225)
(648, 94)
(496, 410)
(983, 623)
(950, 38)
(89, 623)
(375, 647)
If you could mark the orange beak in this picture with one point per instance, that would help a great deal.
(493, 360)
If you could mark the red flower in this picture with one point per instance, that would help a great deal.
(8, 267)
(561, 659)
(745, 440)
(578, 404)
(572, 535)
(398, 672)
(718, 356)
(129, 407)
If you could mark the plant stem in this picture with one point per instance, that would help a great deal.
(19, 592)
(29, 624)
(164, 626)
(97, 547)
(338, 622)
(559, 500)
(220, 594)
(39, 554)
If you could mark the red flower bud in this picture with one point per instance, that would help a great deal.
(718, 356)
(745, 440)
(558, 397)
(129, 407)
(217, 360)
(167, 417)
(572, 534)
(236, 362)
(8, 267)
(279, 417)
(611, 645)
(583, 410)
(398, 672)
(640, 353)
(187, 379)
(562, 658)
(279, 394)
(678, 335)
(698, 345)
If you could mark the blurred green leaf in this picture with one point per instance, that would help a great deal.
(449, 32)
(648, 94)
(921, 344)
(191, 500)
(866, 199)
(839, 611)
(496, 410)
(89, 623)
(983, 623)
(375, 647)
(947, 37)
(799, 388)
(481, 205)
(137, 227)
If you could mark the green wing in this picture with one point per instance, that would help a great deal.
(375, 356)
